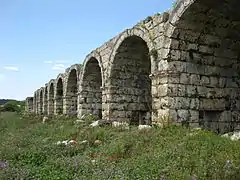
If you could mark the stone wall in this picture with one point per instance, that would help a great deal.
(70, 104)
(45, 99)
(51, 88)
(182, 64)
(40, 100)
(35, 103)
(29, 105)
(90, 92)
(58, 94)
(204, 52)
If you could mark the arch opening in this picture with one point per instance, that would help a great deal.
(59, 97)
(45, 103)
(31, 104)
(51, 99)
(71, 93)
(130, 84)
(41, 102)
(35, 103)
(207, 37)
(91, 89)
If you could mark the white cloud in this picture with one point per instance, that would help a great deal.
(58, 67)
(48, 62)
(11, 68)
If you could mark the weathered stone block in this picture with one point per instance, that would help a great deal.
(163, 90)
(194, 103)
(183, 115)
(184, 78)
(212, 104)
(194, 116)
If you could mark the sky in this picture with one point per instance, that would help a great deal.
(41, 38)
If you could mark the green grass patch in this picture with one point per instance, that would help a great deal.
(30, 149)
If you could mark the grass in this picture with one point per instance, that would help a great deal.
(170, 153)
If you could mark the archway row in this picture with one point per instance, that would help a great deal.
(126, 95)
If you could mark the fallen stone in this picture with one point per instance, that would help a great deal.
(234, 136)
(45, 119)
(83, 116)
(95, 124)
(124, 125)
(100, 123)
(83, 142)
(66, 142)
(97, 142)
(79, 121)
(140, 127)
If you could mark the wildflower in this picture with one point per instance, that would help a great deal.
(93, 161)
(227, 165)
(3, 164)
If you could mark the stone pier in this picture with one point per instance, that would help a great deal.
(29, 105)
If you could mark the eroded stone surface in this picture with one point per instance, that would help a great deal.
(51, 87)
(70, 104)
(29, 105)
(58, 94)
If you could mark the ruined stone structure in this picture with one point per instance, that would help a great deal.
(45, 99)
(29, 105)
(50, 101)
(183, 64)
(58, 94)
(70, 104)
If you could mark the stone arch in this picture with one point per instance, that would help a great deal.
(204, 48)
(35, 102)
(59, 87)
(72, 89)
(29, 105)
(138, 32)
(51, 96)
(41, 91)
(96, 55)
(90, 88)
(45, 101)
(129, 79)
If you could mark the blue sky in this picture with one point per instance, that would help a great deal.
(41, 38)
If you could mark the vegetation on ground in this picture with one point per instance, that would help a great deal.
(29, 151)
(13, 106)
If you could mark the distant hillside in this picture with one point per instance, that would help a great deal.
(4, 101)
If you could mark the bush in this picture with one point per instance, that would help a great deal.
(12, 106)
